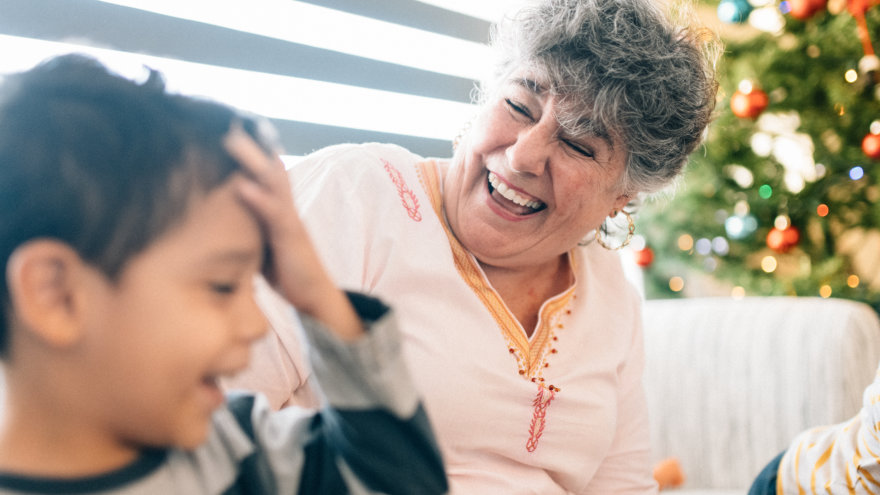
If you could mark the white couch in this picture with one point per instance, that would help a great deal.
(730, 382)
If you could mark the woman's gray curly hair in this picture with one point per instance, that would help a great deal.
(621, 69)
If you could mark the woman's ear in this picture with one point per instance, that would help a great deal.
(621, 202)
(45, 290)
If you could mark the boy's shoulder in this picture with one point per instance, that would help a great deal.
(228, 462)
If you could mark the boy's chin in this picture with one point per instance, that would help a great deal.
(194, 437)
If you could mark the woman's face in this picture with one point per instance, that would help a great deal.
(521, 191)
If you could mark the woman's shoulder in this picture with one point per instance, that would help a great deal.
(356, 174)
(358, 155)
(597, 265)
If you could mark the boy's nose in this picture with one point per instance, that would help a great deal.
(253, 323)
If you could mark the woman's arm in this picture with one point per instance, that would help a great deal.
(627, 468)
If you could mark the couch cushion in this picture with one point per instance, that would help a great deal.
(730, 382)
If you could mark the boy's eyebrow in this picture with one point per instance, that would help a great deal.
(236, 256)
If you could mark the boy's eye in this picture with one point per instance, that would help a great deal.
(520, 109)
(223, 288)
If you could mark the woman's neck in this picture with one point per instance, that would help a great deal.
(524, 290)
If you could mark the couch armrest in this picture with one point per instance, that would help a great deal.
(731, 382)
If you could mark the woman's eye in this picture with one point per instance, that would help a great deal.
(519, 109)
(581, 150)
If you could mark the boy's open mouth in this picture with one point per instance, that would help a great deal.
(512, 200)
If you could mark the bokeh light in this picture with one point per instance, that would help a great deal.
(852, 281)
(720, 246)
(703, 246)
(685, 242)
(782, 222)
(769, 264)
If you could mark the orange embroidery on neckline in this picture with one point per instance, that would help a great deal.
(531, 357)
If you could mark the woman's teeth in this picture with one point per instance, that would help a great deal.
(512, 195)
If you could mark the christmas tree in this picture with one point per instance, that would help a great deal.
(784, 196)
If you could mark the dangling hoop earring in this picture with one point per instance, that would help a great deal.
(631, 229)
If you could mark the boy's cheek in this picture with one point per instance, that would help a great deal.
(193, 435)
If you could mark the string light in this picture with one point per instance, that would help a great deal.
(769, 264)
(703, 246)
(782, 222)
(676, 284)
(822, 210)
(720, 246)
(738, 292)
(765, 191)
(856, 173)
(685, 242)
(851, 76)
(852, 281)
(825, 291)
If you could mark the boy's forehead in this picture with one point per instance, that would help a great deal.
(217, 228)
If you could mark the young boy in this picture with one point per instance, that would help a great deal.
(134, 224)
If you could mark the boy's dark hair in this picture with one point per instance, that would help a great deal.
(101, 162)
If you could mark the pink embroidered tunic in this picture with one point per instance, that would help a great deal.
(559, 412)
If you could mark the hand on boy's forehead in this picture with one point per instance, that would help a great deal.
(265, 190)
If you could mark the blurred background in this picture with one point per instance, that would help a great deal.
(782, 199)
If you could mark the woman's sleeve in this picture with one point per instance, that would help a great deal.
(626, 469)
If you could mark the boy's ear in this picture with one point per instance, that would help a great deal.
(44, 283)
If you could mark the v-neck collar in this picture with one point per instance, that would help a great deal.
(531, 352)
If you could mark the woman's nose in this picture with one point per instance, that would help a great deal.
(530, 153)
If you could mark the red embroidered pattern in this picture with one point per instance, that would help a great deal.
(536, 428)
(407, 197)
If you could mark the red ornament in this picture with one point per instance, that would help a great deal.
(871, 146)
(748, 102)
(782, 240)
(803, 9)
(859, 7)
(644, 257)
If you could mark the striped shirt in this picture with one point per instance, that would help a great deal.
(837, 459)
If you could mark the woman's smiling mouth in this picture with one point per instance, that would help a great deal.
(512, 200)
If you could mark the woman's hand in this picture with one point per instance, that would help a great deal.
(292, 266)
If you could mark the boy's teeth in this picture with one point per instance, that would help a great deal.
(510, 194)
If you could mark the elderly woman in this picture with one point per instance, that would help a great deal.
(523, 334)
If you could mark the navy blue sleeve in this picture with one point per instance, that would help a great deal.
(373, 431)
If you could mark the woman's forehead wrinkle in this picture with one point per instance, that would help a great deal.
(578, 125)
(571, 112)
